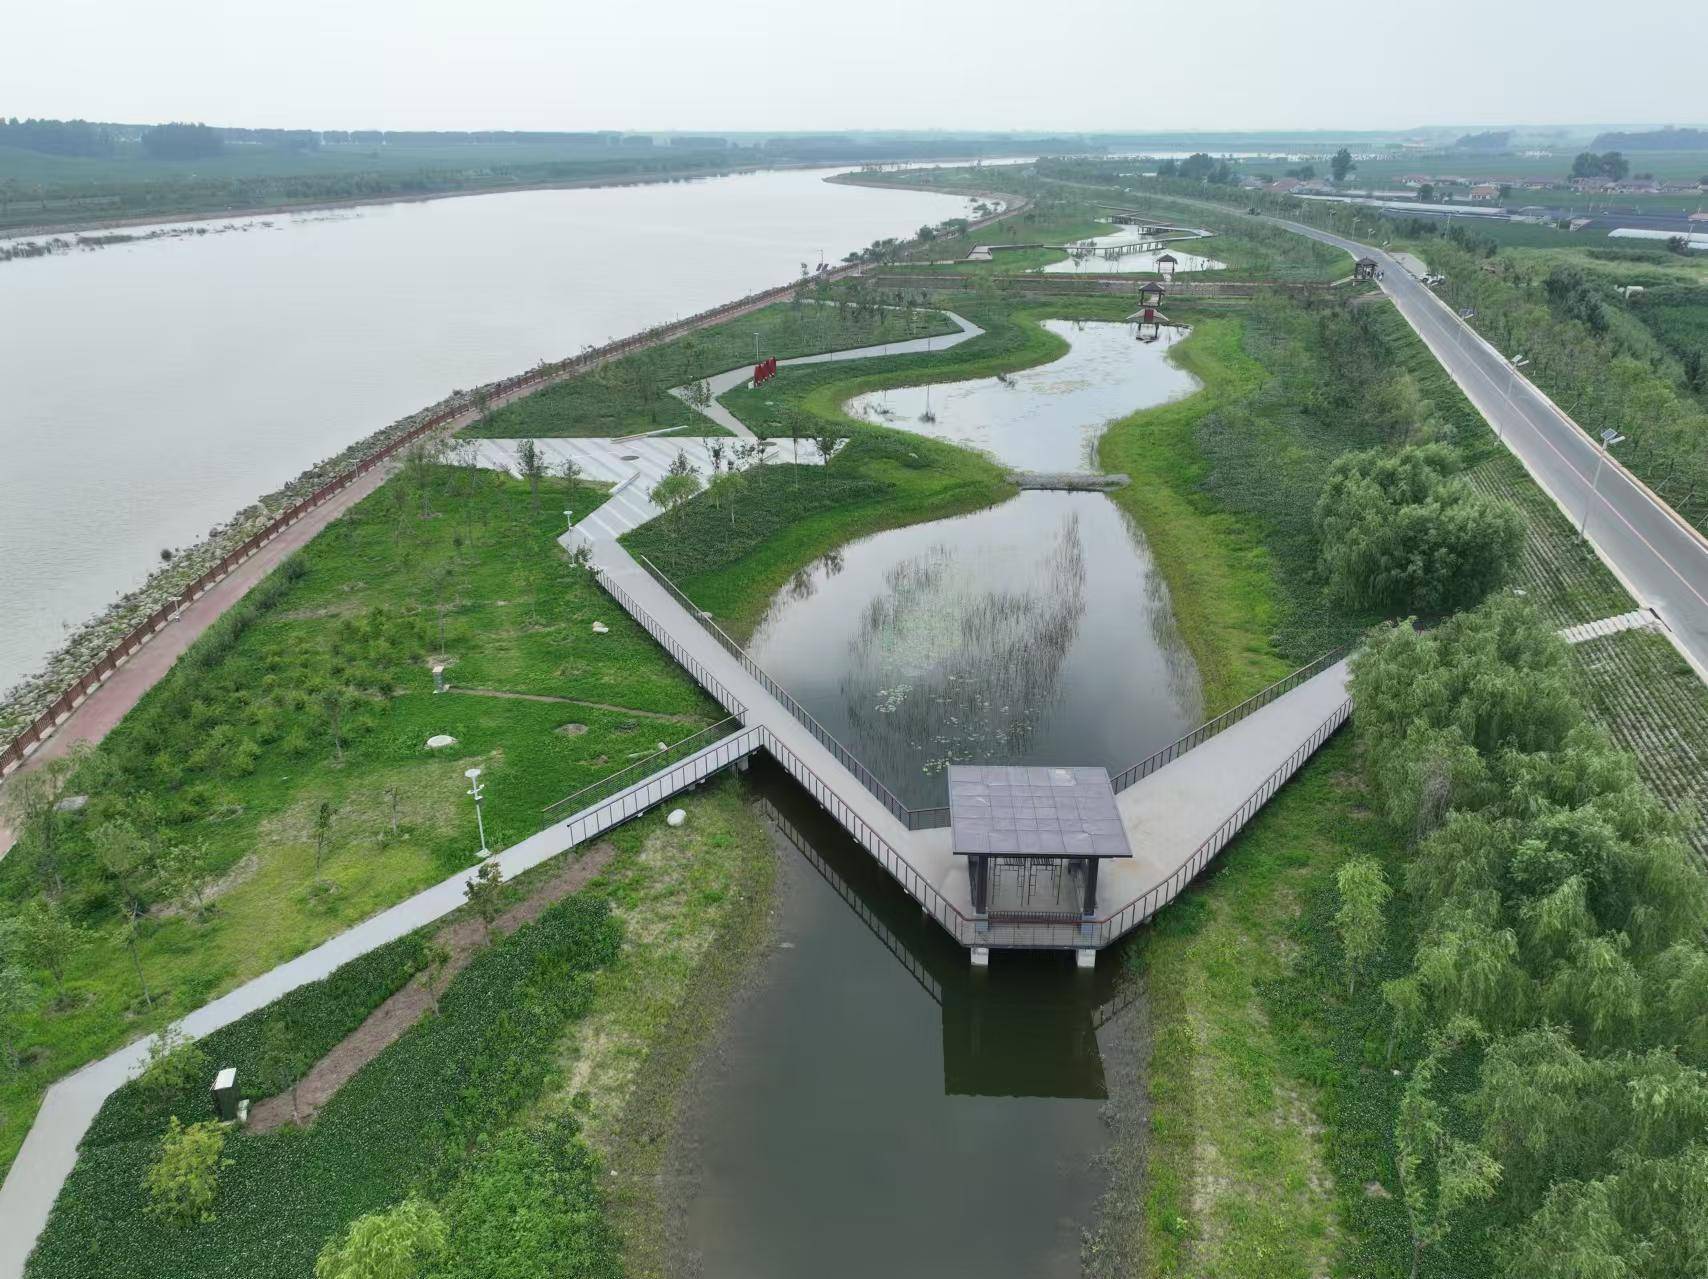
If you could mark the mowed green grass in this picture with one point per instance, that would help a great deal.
(237, 755)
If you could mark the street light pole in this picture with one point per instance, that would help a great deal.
(1609, 438)
(477, 792)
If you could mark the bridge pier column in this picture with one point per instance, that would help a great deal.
(981, 956)
(1085, 957)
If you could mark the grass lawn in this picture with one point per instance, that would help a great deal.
(1237, 1180)
(629, 395)
(234, 753)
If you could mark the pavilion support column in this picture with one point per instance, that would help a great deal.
(1091, 886)
(980, 877)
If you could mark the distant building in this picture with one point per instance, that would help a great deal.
(1285, 186)
(1484, 191)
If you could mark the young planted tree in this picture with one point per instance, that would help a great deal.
(672, 492)
(43, 937)
(281, 1062)
(174, 1062)
(532, 463)
(184, 1179)
(485, 892)
(1364, 892)
(30, 802)
(17, 997)
(323, 816)
(186, 877)
(400, 1243)
(335, 704)
(435, 962)
(420, 464)
(125, 855)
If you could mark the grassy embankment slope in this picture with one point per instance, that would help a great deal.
(318, 691)
(629, 396)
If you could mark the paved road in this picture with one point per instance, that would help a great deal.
(1662, 561)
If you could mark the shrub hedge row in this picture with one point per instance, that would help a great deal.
(407, 1122)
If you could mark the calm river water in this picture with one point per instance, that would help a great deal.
(879, 1107)
(151, 390)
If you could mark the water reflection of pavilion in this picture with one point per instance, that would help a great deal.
(1029, 1032)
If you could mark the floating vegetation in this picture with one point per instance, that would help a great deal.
(942, 670)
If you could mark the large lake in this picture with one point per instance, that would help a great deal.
(153, 389)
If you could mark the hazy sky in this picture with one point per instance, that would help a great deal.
(830, 64)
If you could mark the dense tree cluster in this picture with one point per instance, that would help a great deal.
(1404, 532)
(1200, 166)
(1609, 164)
(182, 142)
(56, 137)
(1557, 966)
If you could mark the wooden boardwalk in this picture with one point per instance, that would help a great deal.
(1177, 818)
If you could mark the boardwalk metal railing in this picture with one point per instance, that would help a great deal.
(651, 625)
(972, 930)
(912, 818)
(625, 777)
(636, 798)
(1204, 732)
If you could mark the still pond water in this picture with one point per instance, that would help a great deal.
(1034, 632)
(877, 1105)
(154, 389)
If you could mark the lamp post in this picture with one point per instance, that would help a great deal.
(1512, 366)
(477, 792)
(1609, 438)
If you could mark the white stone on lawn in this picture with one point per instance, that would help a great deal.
(440, 739)
(677, 817)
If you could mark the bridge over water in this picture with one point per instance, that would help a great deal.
(1179, 807)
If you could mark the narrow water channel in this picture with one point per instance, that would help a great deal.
(878, 1106)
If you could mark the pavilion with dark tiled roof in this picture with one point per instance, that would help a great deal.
(1033, 838)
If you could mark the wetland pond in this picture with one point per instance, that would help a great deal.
(877, 1106)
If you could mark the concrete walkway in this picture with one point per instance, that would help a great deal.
(634, 464)
(736, 377)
